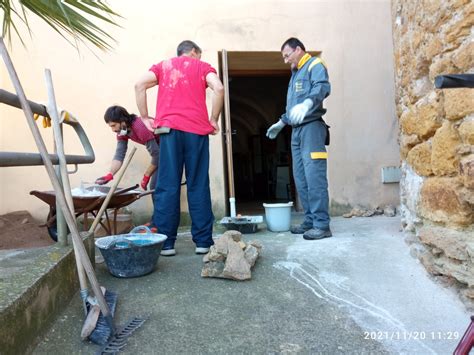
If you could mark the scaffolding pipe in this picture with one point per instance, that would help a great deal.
(8, 159)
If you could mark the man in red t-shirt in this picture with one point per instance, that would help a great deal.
(181, 107)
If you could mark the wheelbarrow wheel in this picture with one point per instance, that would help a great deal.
(53, 227)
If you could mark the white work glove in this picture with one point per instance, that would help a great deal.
(299, 111)
(274, 129)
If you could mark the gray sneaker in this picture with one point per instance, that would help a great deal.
(316, 233)
(168, 252)
(300, 229)
(202, 250)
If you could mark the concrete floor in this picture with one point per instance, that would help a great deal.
(358, 292)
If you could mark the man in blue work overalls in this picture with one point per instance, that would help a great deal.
(308, 87)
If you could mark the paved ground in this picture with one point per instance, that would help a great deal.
(358, 292)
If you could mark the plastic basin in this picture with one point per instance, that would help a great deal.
(133, 254)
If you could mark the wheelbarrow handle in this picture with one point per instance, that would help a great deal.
(146, 193)
(121, 191)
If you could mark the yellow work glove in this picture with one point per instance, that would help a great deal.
(46, 120)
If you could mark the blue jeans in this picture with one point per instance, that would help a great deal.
(180, 149)
(310, 172)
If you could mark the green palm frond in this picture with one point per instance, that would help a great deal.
(70, 18)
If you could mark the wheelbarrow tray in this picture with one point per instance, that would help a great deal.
(88, 203)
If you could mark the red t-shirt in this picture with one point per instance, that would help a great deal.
(138, 133)
(181, 102)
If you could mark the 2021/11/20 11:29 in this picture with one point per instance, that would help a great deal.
(411, 335)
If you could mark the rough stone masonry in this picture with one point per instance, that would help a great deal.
(437, 135)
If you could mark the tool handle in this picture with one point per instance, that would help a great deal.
(112, 190)
(53, 113)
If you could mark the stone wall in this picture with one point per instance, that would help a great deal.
(433, 37)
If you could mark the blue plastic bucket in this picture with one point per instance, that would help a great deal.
(133, 254)
(278, 216)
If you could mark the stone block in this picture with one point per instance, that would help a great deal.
(433, 48)
(450, 241)
(461, 28)
(468, 293)
(235, 235)
(407, 142)
(419, 159)
(439, 202)
(444, 157)
(462, 272)
(458, 103)
(251, 254)
(423, 119)
(463, 57)
(236, 266)
(434, 13)
(470, 249)
(419, 88)
(442, 65)
(466, 171)
(213, 269)
(466, 130)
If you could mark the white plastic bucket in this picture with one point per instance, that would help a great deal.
(278, 216)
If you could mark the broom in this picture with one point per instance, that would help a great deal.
(97, 333)
(96, 326)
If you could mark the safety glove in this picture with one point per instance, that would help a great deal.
(144, 182)
(299, 111)
(274, 129)
(104, 179)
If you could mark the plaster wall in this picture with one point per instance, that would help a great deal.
(355, 40)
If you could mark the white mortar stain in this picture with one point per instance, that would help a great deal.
(333, 288)
(410, 187)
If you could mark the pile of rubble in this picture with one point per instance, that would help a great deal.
(231, 258)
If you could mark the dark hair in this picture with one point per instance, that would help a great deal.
(119, 114)
(293, 43)
(186, 47)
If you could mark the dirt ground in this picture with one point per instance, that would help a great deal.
(18, 230)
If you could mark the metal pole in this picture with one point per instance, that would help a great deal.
(228, 133)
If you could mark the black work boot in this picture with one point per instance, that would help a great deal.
(300, 228)
(316, 233)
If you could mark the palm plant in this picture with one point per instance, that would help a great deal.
(70, 18)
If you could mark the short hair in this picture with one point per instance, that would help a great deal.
(119, 114)
(186, 47)
(293, 43)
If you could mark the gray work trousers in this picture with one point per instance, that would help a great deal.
(310, 172)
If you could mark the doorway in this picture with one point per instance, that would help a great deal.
(261, 168)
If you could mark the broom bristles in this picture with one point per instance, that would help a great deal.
(102, 331)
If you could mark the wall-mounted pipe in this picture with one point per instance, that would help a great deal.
(31, 159)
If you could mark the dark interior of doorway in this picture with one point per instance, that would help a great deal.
(262, 167)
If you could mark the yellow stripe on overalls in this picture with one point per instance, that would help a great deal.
(319, 155)
(316, 61)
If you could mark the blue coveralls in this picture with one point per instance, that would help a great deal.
(310, 81)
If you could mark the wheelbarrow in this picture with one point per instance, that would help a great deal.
(83, 205)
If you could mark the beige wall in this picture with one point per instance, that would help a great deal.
(354, 37)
